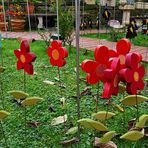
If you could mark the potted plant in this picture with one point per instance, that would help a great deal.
(17, 22)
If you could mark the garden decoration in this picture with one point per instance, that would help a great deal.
(145, 26)
(3, 114)
(123, 66)
(131, 30)
(25, 57)
(106, 14)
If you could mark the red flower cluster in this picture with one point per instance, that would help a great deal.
(57, 53)
(113, 66)
(25, 57)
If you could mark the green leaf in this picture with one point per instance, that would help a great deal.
(72, 131)
(3, 114)
(142, 121)
(102, 115)
(133, 99)
(133, 135)
(89, 123)
(107, 137)
(118, 107)
(31, 101)
(18, 94)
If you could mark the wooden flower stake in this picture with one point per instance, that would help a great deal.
(2, 69)
(25, 59)
(3, 114)
(57, 55)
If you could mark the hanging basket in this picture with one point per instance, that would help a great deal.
(17, 24)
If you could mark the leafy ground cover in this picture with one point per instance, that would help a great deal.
(139, 40)
(40, 132)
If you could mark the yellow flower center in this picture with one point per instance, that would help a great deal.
(136, 76)
(55, 54)
(122, 59)
(22, 58)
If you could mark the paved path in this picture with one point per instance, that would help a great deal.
(87, 43)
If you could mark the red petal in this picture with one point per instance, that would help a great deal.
(92, 78)
(101, 54)
(49, 51)
(53, 62)
(112, 53)
(107, 91)
(140, 84)
(131, 88)
(132, 60)
(17, 53)
(109, 75)
(89, 66)
(28, 68)
(30, 57)
(25, 46)
(61, 62)
(19, 65)
(141, 71)
(126, 75)
(123, 46)
(115, 64)
(56, 44)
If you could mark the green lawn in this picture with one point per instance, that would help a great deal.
(46, 135)
(139, 40)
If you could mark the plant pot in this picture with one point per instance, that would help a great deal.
(17, 24)
(2, 26)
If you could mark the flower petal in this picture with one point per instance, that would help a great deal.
(20, 65)
(92, 78)
(25, 46)
(49, 51)
(123, 46)
(107, 91)
(17, 53)
(89, 66)
(101, 54)
(53, 62)
(56, 44)
(141, 71)
(28, 68)
(30, 57)
(61, 62)
(132, 60)
(63, 52)
(131, 88)
(140, 84)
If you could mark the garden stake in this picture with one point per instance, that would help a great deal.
(137, 107)
(77, 11)
(97, 101)
(3, 133)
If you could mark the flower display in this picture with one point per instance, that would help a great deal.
(133, 73)
(95, 69)
(57, 53)
(112, 79)
(25, 57)
(123, 47)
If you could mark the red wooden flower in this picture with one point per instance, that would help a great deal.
(95, 69)
(57, 53)
(112, 79)
(133, 74)
(123, 47)
(25, 57)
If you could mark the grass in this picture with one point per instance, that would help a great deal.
(139, 40)
(46, 135)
